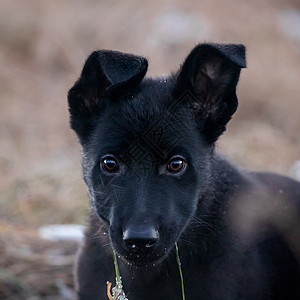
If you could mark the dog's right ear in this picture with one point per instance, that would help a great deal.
(105, 76)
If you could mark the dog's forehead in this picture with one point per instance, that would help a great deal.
(145, 122)
(151, 102)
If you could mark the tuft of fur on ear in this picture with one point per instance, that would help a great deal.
(210, 73)
(106, 75)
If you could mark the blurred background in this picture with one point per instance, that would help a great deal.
(43, 45)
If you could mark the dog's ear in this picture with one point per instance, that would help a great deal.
(210, 74)
(105, 76)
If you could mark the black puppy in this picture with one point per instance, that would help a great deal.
(155, 179)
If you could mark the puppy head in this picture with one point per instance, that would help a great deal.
(147, 143)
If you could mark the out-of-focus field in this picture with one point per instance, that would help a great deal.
(43, 45)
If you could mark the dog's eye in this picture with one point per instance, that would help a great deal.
(110, 164)
(176, 164)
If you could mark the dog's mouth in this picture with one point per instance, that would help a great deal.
(143, 258)
(147, 257)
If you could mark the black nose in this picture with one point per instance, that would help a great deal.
(140, 237)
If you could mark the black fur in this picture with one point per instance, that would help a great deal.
(237, 231)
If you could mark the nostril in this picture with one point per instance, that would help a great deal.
(151, 243)
(130, 244)
(140, 238)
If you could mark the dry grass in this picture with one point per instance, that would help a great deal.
(43, 46)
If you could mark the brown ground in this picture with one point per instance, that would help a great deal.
(43, 45)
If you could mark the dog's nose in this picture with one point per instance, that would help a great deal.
(140, 237)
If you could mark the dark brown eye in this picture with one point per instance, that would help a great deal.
(110, 164)
(176, 165)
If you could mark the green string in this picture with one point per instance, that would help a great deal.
(116, 267)
(180, 271)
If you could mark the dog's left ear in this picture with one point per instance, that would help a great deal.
(210, 74)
